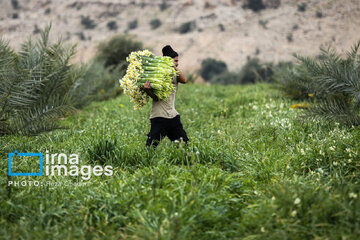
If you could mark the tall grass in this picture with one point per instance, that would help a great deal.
(251, 170)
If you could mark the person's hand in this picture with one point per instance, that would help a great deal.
(147, 85)
(176, 68)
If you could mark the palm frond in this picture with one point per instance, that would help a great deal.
(334, 81)
(353, 54)
(335, 109)
(35, 86)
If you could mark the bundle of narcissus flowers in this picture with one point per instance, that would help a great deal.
(145, 66)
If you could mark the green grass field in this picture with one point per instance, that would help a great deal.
(254, 169)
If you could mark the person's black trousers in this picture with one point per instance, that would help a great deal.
(161, 127)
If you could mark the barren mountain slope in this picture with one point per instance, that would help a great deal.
(271, 35)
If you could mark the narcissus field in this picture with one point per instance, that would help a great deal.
(254, 168)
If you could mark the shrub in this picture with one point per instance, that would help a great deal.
(302, 7)
(221, 27)
(212, 67)
(289, 37)
(15, 4)
(226, 78)
(87, 22)
(253, 71)
(96, 84)
(155, 23)
(81, 36)
(163, 6)
(132, 24)
(263, 23)
(254, 5)
(36, 29)
(35, 86)
(187, 27)
(113, 52)
(112, 25)
(319, 14)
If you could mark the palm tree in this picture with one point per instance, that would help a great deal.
(336, 85)
(35, 85)
(332, 80)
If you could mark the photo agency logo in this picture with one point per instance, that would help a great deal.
(55, 164)
(15, 154)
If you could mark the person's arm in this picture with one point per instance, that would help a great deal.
(181, 78)
(147, 88)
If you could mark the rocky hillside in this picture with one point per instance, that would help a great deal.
(223, 29)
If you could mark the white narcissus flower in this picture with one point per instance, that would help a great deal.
(353, 195)
(302, 152)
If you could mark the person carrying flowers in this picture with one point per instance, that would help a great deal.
(164, 119)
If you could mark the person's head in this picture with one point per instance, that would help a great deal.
(169, 52)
